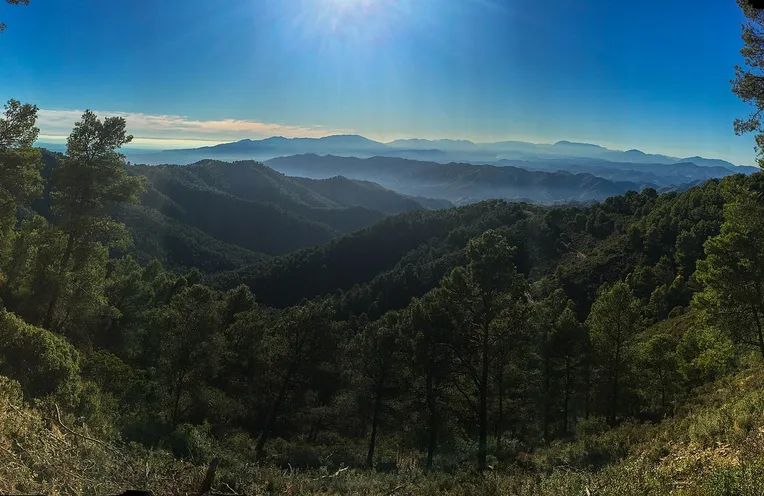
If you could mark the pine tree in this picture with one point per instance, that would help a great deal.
(477, 296)
(748, 84)
(91, 179)
(19, 167)
(733, 271)
(613, 324)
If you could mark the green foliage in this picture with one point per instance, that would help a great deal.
(613, 324)
(12, 2)
(38, 359)
(20, 165)
(705, 354)
(91, 178)
(420, 343)
(733, 273)
(747, 82)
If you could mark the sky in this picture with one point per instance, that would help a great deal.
(651, 75)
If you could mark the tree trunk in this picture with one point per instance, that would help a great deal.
(663, 390)
(483, 406)
(759, 332)
(315, 427)
(176, 403)
(374, 423)
(270, 420)
(614, 402)
(432, 441)
(587, 390)
(46, 323)
(500, 416)
(566, 400)
(547, 399)
(432, 437)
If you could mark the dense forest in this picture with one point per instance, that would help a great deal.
(439, 339)
(224, 329)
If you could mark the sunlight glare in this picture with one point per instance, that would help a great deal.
(340, 12)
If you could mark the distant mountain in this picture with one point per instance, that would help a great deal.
(577, 145)
(264, 149)
(459, 183)
(664, 175)
(715, 162)
(441, 151)
(442, 144)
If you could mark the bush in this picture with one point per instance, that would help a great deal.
(741, 480)
(194, 442)
(293, 455)
(39, 360)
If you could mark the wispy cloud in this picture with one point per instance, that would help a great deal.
(174, 130)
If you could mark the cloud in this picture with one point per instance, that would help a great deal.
(175, 129)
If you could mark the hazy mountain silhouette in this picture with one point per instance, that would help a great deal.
(443, 151)
(459, 183)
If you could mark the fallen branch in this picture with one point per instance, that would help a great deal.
(231, 493)
(335, 474)
(396, 490)
(77, 434)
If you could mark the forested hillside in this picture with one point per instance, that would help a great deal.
(535, 342)
(218, 216)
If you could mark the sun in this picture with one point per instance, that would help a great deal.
(349, 4)
(347, 23)
(355, 11)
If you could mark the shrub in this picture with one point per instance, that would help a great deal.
(293, 455)
(194, 442)
(39, 360)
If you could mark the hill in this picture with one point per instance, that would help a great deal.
(663, 175)
(218, 216)
(459, 183)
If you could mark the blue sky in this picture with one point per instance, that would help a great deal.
(652, 75)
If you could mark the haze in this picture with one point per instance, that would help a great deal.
(192, 73)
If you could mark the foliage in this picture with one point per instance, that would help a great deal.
(733, 272)
(42, 361)
(748, 77)
(551, 346)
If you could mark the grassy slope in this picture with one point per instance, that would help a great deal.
(713, 446)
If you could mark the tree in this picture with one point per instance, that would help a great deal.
(191, 345)
(748, 84)
(658, 354)
(733, 271)
(563, 347)
(379, 348)
(91, 179)
(433, 364)
(12, 2)
(19, 165)
(295, 343)
(613, 323)
(477, 296)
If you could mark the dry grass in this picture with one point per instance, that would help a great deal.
(715, 447)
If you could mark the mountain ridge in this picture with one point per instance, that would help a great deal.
(344, 144)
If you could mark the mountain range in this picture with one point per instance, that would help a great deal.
(435, 150)
(460, 183)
